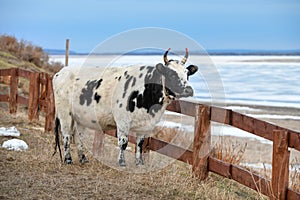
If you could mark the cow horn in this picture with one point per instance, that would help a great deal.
(165, 57)
(183, 61)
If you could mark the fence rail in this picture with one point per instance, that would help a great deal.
(41, 98)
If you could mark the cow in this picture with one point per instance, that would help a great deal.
(129, 99)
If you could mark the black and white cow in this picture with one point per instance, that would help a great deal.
(127, 98)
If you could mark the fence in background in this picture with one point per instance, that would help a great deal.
(40, 96)
(41, 99)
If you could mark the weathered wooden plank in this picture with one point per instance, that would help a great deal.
(22, 100)
(132, 138)
(4, 98)
(219, 167)
(13, 91)
(43, 103)
(294, 139)
(174, 106)
(5, 80)
(242, 122)
(201, 147)
(171, 150)
(280, 165)
(33, 104)
(291, 195)
(252, 125)
(263, 129)
(23, 73)
(250, 180)
(221, 115)
(50, 111)
(111, 133)
(5, 72)
(183, 107)
(98, 143)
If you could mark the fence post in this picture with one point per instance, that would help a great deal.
(98, 143)
(201, 148)
(50, 108)
(13, 94)
(33, 102)
(67, 53)
(280, 165)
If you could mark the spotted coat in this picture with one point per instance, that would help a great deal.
(126, 98)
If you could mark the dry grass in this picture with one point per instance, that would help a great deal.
(295, 176)
(229, 151)
(35, 174)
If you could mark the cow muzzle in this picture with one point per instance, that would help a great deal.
(187, 92)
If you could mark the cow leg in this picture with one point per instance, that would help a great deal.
(78, 141)
(66, 129)
(139, 150)
(122, 142)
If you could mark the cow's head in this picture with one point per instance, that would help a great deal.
(176, 76)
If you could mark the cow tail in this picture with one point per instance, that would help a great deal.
(57, 142)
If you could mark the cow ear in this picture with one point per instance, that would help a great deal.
(160, 68)
(192, 69)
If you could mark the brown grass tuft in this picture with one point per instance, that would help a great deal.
(35, 174)
(229, 151)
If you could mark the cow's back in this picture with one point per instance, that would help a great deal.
(86, 94)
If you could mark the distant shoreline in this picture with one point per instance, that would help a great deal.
(153, 52)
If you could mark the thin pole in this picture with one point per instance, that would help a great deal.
(67, 53)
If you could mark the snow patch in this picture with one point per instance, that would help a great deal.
(12, 131)
(170, 124)
(242, 108)
(15, 145)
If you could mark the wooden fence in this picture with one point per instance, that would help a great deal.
(41, 98)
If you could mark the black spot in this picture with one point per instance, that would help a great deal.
(131, 103)
(94, 121)
(140, 144)
(125, 73)
(125, 143)
(70, 113)
(142, 67)
(66, 143)
(97, 97)
(133, 82)
(119, 78)
(87, 92)
(149, 69)
(77, 79)
(141, 74)
(149, 99)
(120, 106)
(123, 147)
(99, 83)
(126, 85)
(117, 101)
(56, 75)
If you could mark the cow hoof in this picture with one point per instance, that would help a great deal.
(83, 159)
(139, 162)
(122, 163)
(68, 161)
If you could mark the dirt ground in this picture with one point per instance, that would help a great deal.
(35, 174)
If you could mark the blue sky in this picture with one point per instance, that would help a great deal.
(215, 24)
